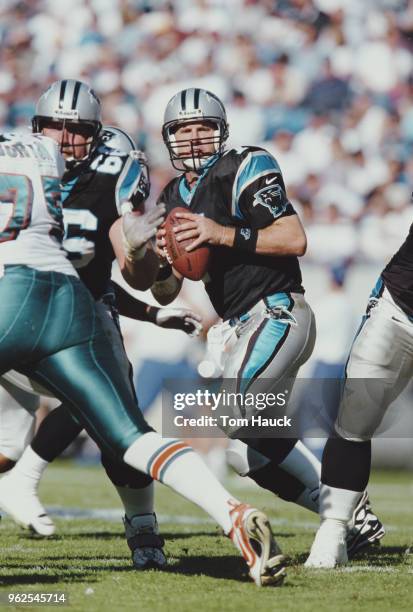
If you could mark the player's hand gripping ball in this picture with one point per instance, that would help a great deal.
(192, 264)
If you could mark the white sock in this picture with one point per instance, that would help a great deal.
(29, 468)
(338, 504)
(301, 463)
(137, 501)
(309, 499)
(175, 464)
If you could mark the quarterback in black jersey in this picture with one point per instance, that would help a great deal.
(97, 183)
(237, 204)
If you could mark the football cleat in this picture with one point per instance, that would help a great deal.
(329, 547)
(365, 529)
(144, 541)
(24, 507)
(251, 533)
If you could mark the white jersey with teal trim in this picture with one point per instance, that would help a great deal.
(31, 220)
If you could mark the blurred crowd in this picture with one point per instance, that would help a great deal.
(325, 85)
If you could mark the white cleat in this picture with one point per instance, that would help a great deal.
(329, 548)
(251, 533)
(24, 507)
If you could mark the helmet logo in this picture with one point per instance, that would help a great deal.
(186, 114)
(71, 114)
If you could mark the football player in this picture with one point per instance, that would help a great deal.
(51, 331)
(379, 367)
(237, 203)
(103, 170)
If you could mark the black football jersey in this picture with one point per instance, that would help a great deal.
(398, 275)
(242, 188)
(92, 194)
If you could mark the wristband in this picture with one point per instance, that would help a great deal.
(133, 254)
(246, 239)
(151, 313)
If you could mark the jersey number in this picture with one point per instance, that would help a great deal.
(109, 164)
(80, 227)
(16, 203)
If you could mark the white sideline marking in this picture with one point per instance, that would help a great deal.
(369, 568)
(116, 514)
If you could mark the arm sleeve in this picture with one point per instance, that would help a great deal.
(130, 307)
(259, 196)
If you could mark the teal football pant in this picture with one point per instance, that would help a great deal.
(51, 331)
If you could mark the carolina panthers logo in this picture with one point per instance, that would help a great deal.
(273, 198)
(246, 233)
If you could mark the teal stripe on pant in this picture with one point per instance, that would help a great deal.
(75, 361)
(265, 343)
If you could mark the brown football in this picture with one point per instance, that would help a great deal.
(192, 265)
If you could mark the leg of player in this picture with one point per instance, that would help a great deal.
(272, 341)
(296, 480)
(16, 430)
(135, 489)
(19, 488)
(56, 432)
(382, 373)
(136, 492)
(16, 423)
(85, 371)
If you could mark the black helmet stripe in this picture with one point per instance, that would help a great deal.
(62, 93)
(183, 99)
(76, 94)
(196, 98)
(212, 95)
(126, 135)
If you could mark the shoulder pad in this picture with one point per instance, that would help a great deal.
(109, 152)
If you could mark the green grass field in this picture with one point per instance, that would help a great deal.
(89, 560)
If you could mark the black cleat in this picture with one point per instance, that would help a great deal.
(365, 529)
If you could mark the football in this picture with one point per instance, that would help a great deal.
(192, 265)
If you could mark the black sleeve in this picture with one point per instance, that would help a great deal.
(130, 307)
(264, 200)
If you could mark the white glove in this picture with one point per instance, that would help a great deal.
(179, 318)
(137, 230)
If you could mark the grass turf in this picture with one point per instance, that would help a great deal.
(88, 558)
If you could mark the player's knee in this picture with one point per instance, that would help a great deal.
(6, 464)
(244, 459)
(352, 432)
(123, 475)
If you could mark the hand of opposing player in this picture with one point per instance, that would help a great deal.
(202, 229)
(179, 318)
